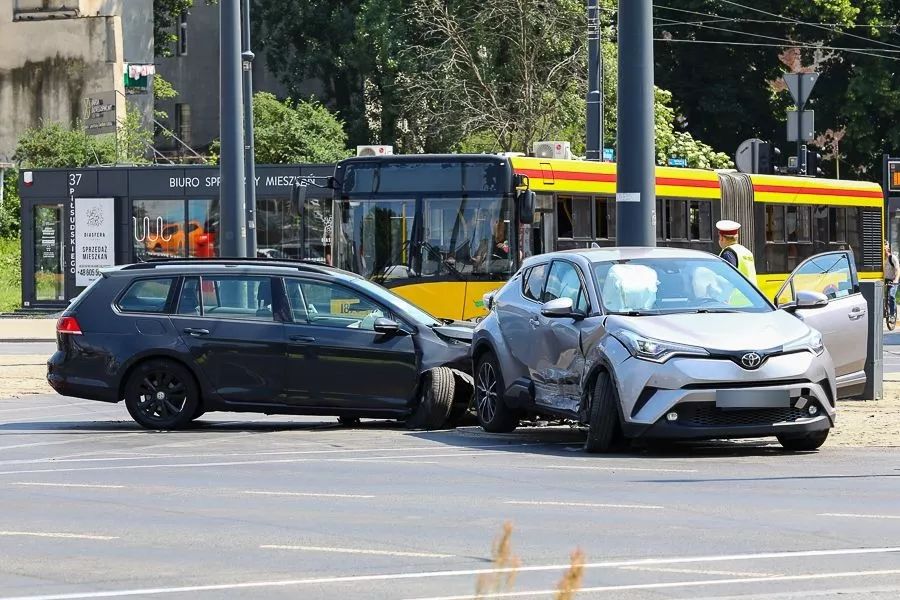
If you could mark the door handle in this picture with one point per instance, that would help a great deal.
(196, 332)
(302, 338)
(856, 315)
(534, 321)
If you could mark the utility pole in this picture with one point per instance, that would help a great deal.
(232, 221)
(636, 172)
(249, 150)
(595, 85)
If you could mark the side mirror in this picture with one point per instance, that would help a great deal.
(488, 300)
(807, 299)
(525, 201)
(386, 326)
(560, 308)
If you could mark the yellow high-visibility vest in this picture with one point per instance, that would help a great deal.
(746, 264)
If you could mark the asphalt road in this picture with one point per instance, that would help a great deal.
(250, 507)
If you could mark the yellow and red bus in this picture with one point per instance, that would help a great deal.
(442, 230)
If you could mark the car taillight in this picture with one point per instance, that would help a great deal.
(68, 325)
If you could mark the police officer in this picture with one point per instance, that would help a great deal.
(735, 254)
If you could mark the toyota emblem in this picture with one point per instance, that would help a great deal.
(751, 360)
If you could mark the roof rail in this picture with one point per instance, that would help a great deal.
(283, 262)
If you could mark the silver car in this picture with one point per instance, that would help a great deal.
(669, 343)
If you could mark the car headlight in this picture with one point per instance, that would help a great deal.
(811, 342)
(655, 350)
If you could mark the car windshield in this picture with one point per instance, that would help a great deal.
(653, 286)
(388, 297)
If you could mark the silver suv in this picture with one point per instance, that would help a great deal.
(668, 343)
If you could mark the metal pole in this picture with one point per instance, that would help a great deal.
(249, 151)
(801, 162)
(231, 167)
(636, 173)
(594, 150)
(2, 184)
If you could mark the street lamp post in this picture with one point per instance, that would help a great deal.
(636, 171)
(232, 222)
(594, 139)
(249, 149)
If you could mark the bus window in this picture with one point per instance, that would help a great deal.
(837, 224)
(676, 220)
(700, 220)
(602, 216)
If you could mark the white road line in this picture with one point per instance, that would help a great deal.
(46, 417)
(307, 494)
(65, 536)
(68, 485)
(35, 444)
(356, 551)
(858, 516)
(458, 573)
(583, 504)
(594, 468)
(6, 410)
(675, 584)
(697, 571)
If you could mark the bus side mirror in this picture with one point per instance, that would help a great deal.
(525, 204)
(298, 199)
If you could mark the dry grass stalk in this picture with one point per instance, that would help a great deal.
(505, 563)
(571, 580)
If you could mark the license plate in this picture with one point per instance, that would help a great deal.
(738, 399)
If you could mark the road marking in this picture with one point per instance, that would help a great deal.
(357, 551)
(583, 504)
(593, 468)
(459, 573)
(306, 494)
(858, 516)
(6, 410)
(675, 584)
(68, 485)
(65, 536)
(697, 571)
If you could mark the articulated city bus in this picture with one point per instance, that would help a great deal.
(442, 230)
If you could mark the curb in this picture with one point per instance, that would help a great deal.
(26, 340)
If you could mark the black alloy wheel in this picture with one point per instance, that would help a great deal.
(161, 394)
(493, 414)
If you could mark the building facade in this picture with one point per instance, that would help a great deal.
(57, 55)
(78, 221)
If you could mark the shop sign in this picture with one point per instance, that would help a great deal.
(95, 232)
(99, 113)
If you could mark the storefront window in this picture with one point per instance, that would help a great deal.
(203, 228)
(158, 229)
(279, 233)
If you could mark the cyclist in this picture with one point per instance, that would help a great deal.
(891, 278)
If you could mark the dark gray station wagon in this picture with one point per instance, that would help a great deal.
(174, 339)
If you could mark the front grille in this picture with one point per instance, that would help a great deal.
(708, 415)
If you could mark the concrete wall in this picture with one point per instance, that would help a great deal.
(48, 66)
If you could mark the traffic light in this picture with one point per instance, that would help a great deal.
(813, 162)
(767, 158)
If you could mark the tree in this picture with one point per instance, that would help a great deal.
(294, 132)
(10, 222)
(166, 14)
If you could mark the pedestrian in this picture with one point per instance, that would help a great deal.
(733, 253)
(891, 278)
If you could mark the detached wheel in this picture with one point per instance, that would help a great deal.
(493, 414)
(807, 443)
(436, 401)
(161, 394)
(603, 423)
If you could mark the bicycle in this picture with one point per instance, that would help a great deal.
(889, 319)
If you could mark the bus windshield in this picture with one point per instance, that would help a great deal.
(428, 237)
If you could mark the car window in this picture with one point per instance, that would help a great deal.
(330, 305)
(533, 282)
(564, 282)
(829, 274)
(672, 285)
(146, 296)
(236, 297)
(189, 298)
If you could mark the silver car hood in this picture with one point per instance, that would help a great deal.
(717, 331)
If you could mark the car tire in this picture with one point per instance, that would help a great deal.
(603, 421)
(179, 402)
(435, 401)
(349, 421)
(807, 443)
(493, 414)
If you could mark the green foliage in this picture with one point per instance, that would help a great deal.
(165, 19)
(162, 91)
(680, 144)
(10, 273)
(53, 145)
(10, 222)
(291, 131)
